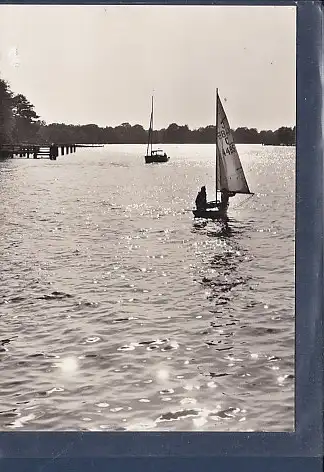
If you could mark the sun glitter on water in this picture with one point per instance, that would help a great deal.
(68, 366)
(162, 374)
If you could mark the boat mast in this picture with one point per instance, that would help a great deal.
(152, 128)
(216, 124)
(150, 132)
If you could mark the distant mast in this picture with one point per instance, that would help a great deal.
(152, 126)
(216, 131)
(150, 133)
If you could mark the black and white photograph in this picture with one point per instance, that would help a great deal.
(147, 218)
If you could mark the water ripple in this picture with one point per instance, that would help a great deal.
(118, 311)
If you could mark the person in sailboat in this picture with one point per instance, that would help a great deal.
(201, 199)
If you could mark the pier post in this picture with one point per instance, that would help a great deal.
(53, 152)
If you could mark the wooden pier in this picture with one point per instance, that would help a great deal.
(36, 151)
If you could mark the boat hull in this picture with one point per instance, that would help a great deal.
(212, 214)
(152, 159)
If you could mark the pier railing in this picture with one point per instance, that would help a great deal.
(35, 151)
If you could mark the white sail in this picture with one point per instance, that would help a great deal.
(230, 174)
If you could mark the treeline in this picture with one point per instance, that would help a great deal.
(127, 134)
(20, 124)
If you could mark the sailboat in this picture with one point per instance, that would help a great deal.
(229, 174)
(156, 155)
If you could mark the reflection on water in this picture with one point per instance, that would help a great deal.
(119, 311)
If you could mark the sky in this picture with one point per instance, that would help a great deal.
(101, 64)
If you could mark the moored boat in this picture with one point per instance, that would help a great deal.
(154, 155)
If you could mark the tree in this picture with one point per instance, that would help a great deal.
(26, 119)
(138, 134)
(6, 114)
(207, 134)
(176, 134)
(267, 137)
(285, 136)
(123, 132)
(246, 136)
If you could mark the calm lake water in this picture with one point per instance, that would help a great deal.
(119, 312)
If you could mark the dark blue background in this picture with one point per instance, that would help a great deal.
(245, 452)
